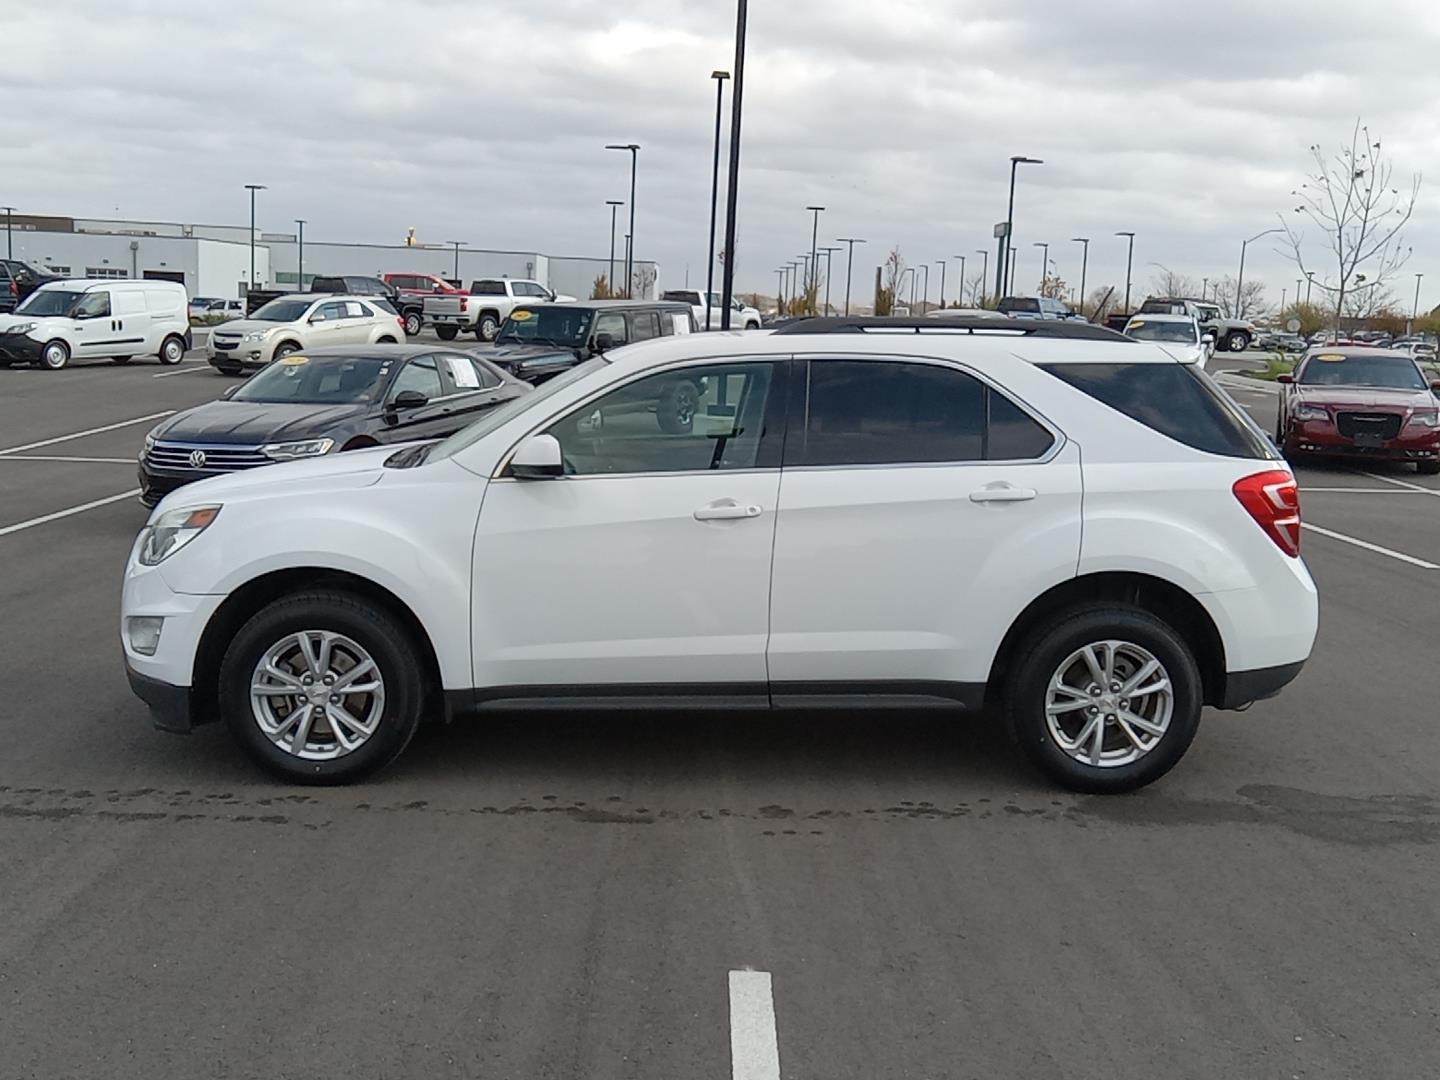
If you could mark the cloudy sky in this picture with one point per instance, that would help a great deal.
(485, 120)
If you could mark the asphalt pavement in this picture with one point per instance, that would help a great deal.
(571, 896)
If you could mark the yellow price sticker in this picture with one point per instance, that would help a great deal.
(293, 360)
(522, 316)
(1137, 324)
(1330, 357)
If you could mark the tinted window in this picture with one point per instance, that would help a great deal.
(487, 288)
(487, 376)
(698, 418)
(1174, 399)
(329, 381)
(612, 323)
(685, 296)
(419, 374)
(1026, 304)
(873, 412)
(282, 310)
(643, 325)
(543, 324)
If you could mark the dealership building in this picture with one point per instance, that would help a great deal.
(214, 260)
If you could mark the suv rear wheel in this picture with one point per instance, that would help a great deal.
(1104, 699)
(323, 687)
(487, 327)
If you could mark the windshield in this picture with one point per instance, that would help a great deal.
(1391, 373)
(332, 380)
(282, 310)
(492, 420)
(545, 325)
(48, 302)
(1178, 332)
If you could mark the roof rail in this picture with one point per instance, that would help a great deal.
(999, 327)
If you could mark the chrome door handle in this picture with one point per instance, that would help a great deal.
(727, 511)
(1002, 493)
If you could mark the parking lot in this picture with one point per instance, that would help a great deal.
(570, 896)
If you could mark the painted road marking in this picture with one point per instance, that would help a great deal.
(1401, 483)
(88, 431)
(754, 1049)
(18, 526)
(119, 460)
(1411, 559)
(183, 370)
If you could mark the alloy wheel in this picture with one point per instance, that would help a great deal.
(317, 695)
(1109, 703)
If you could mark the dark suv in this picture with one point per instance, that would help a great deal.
(18, 280)
(408, 307)
(539, 341)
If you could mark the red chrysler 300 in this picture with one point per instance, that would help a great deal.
(1360, 401)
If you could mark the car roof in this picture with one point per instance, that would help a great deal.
(83, 284)
(614, 305)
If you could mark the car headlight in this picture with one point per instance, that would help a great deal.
(256, 335)
(149, 445)
(172, 530)
(1425, 418)
(1309, 412)
(290, 451)
(20, 328)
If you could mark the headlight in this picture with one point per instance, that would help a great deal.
(256, 335)
(289, 451)
(1428, 418)
(20, 328)
(172, 531)
(1309, 412)
(149, 445)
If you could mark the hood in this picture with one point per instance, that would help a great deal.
(245, 326)
(7, 321)
(509, 356)
(334, 472)
(253, 423)
(1186, 354)
(1363, 397)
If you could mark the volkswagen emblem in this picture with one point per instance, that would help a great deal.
(197, 459)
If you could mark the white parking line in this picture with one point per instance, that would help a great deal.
(19, 525)
(87, 431)
(1411, 559)
(754, 1049)
(1401, 483)
(183, 370)
(96, 460)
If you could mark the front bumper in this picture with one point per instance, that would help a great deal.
(1322, 437)
(245, 354)
(155, 484)
(163, 680)
(20, 349)
(169, 705)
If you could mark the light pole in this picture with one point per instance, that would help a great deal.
(737, 98)
(1283, 294)
(457, 244)
(849, 265)
(9, 245)
(814, 234)
(1084, 265)
(1007, 247)
(1204, 288)
(1240, 281)
(900, 288)
(719, 77)
(960, 293)
(1044, 263)
(941, 263)
(1297, 290)
(829, 251)
(984, 274)
(252, 188)
(779, 293)
(300, 258)
(1415, 311)
(1309, 283)
(1014, 262)
(614, 205)
(1129, 265)
(634, 149)
(925, 289)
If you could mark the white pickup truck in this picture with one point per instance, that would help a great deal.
(487, 305)
(741, 316)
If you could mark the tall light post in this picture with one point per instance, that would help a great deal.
(1007, 248)
(737, 98)
(9, 245)
(925, 289)
(941, 263)
(1240, 280)
(1415, 311)
(1084, 241)
(1309, 283)
(1204, 288)
(614, 205)
(300, 257)
(1014, 262)
(960, 293)
(779, 291)
(900, 288)
(456, 244)
(252, 188)
(634, 149)
(814, 239)
(1044, 263)
(829, 251)
(849, 265)
(1129, 266)
(984, 275)
(1297, 289)
(719, 77)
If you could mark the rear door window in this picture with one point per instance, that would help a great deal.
(1177, 400)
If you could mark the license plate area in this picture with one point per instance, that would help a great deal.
(1369, 440)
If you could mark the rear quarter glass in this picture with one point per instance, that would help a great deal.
(1176, 400)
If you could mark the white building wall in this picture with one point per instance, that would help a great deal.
(224, 267)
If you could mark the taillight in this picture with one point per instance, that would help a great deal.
(14, 289)
(1273, 499)
(464, 303)
(401, 320)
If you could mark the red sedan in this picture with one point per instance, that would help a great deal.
(1360, 401)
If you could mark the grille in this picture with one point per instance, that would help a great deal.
(227, 343)
(218, 457)
(1350, 424)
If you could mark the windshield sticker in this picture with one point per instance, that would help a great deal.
(522, 315)
(293, 360)
(680, 322)
(1330, 357)
(1135, 324)
(462, 372)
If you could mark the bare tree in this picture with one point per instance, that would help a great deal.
(1054, 287)
(1351, 199)
(1248, 305)
(1368, 303)
(973, 290)
(1168, 283)
(894, 271)
(1100, 300)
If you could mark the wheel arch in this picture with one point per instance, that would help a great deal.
(1161, 598)
(251, 597)
(282, 343)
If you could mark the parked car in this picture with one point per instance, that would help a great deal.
(1360, 401)
(1417, 347)
(202, 305)
(1231, 335)
(742, 316)
(323, 401)
(18, 280)
(623, 536)
(485, 306)
(408, 305)
(538, 342)
(964, 313)
(300, 321)
(1034, 307)
(82, 319)
(1179, 334)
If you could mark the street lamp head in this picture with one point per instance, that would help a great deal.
(614, 202)
(1129, 234)
(719, 75)
(255, 187)
(632, 147)
(1079, 239)
(849, 240)
(816, 208)
(1020, 159)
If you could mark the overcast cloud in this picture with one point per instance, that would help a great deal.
(484, 121)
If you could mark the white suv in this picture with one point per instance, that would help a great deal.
(1039, 514)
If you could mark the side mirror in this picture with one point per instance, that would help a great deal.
(603, 342)
(408, 399)
(1286, 378)
(315, 318)
(1435, 386)
(229, 391)
(1208, 339)
(538, 458)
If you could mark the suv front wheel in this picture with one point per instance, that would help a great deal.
(1106, 699)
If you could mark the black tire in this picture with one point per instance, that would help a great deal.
(487, 326)
(172, 351)
(446, 333)
(121, 360)
(1237, 341)
(284, 349)
(1428, 468)
(54, 356)
(388, 642)
(1042, 655)
(413, 323)
(676, 409)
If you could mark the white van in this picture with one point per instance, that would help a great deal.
(112, 320)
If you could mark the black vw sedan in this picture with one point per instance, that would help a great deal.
(323, 401)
